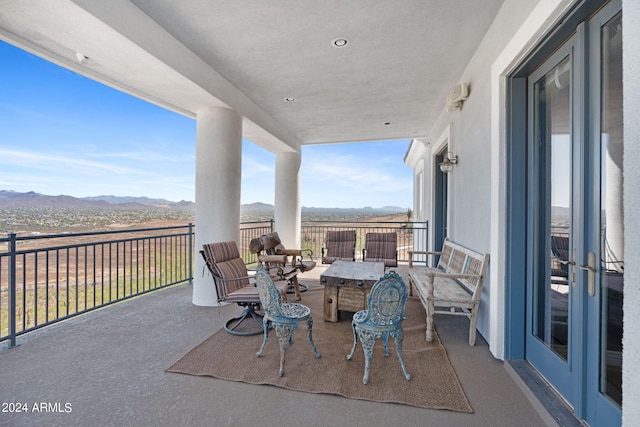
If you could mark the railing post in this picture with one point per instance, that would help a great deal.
(271, 225)
(12, 290)
(190, 254)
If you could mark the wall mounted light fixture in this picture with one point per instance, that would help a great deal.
(457, 96)
(449, 160)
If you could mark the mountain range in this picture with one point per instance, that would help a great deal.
(31, 199)
(14, 199)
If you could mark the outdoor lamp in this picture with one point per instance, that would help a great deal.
(447, 164)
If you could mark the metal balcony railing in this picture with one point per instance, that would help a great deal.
(313, 234)
(48, 278)
(410, 235)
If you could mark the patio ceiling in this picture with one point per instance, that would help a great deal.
(389, 81)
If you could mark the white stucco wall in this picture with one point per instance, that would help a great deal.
(631, 333)
(471, 185)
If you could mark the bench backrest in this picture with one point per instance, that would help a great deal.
(456, 259)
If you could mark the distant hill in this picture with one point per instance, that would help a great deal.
(256, 208)
(13, 199)
(116, 200)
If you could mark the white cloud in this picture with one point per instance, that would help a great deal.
(64, 164)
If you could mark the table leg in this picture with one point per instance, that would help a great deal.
(331, 303)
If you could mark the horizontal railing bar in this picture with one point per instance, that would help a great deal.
(80, 245)
(93, 233)
(366, 224)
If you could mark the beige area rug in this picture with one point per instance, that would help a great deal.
(434, 383)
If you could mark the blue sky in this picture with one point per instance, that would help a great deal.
(61, 133)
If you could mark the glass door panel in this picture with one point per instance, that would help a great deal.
(552, 219)
(611, 223)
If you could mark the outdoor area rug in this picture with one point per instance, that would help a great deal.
(434, 383)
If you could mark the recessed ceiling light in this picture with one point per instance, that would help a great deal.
(82, 58)
(289, 99)
(340, 42)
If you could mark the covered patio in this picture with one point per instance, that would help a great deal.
(109, 366)
(452, 76)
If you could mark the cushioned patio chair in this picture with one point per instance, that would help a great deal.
(340, 245)
(381, 247)
(233, 284)
(560, 252)
(383, 317)
(283, 317)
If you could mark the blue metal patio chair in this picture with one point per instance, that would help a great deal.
(382, 318)
(284, 317)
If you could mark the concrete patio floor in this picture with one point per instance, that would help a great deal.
(108, 368)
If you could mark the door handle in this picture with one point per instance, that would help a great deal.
(590, 268)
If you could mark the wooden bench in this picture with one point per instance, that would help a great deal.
(453, 287)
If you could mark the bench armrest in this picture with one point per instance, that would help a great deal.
(411, 253)
(432, 274)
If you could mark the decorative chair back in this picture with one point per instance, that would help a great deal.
(269, 295)
(386, 301)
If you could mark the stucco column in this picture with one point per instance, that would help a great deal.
(218, 177)
(287, 199)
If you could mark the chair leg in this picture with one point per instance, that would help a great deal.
(367, 340)
(296, 287)
(284, 333)
(355, 341)
(265, 332)
(385, 341)
(313, 346)
(399, 337)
